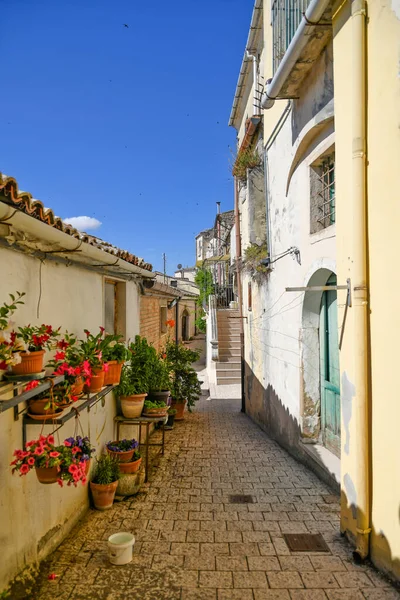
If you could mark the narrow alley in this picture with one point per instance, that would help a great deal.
(192, 542)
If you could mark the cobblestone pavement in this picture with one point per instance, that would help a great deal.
(193, 544)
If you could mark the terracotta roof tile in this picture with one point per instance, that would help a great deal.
(23, 201)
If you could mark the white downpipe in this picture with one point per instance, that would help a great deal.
(307, 25)
(42, 231)
(255, 80)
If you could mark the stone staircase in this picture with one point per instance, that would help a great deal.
(228, 365)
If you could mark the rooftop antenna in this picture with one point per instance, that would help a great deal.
(165, 265)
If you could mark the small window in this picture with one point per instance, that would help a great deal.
(249, 297)
(322, 193)
(163, 319)
(110, 311)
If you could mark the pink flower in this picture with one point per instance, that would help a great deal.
(67, 443)
(84, 480)
(24, 469)
(76, 449)
(31, 461)
(72, 469)
(25, 454)
(31, 385)
(50, 439)
(38, 451)
(106, 367)
(54, 454)
(60, 482)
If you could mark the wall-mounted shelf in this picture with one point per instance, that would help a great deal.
(77, 407)
(14, 387)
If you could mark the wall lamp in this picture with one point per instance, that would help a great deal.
(293, 251)
(173, 303)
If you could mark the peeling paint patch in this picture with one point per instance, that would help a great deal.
(348, 392)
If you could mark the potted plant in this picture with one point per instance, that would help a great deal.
(53, 464)
(185, 387)
(135, 378)
(36, 339)
(155, 408)
(47, 403)
(92, 352)
(69, 361)
(104, 481)
(160, 378)
(8, 357)
(122, 450)
(115, 353)
(83, 449)
(171, 418)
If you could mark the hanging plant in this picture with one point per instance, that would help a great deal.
(61, 464)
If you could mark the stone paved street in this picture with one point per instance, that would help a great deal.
(193, 544)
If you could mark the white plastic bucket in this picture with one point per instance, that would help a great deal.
(120, 547)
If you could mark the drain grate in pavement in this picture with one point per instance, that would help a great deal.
(306, 542)
(241, 499)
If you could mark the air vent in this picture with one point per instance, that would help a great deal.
(241, 499)
(173, 283)
(306, 542)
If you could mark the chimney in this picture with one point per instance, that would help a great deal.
(218, 208)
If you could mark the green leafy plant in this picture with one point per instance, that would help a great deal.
(172, 411)
(154, 404)
(201, 322)
(8, 354)
(137, 374)
(247, 159)
(106, 470)
(37, 337)
(115, 349)
(253, 254)
(160, 376)
(205, 282)
(185, 383)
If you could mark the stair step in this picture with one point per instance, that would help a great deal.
(228, 345)
(235, 374)
(224, 352)
(232, 365)
(228, 380)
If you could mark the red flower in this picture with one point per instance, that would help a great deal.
(62, 344)
(31, 461)
(87, 332)
(67, 443)
(59, 356)
(54, 454)
(74, 398)
(24, 469)
(50, 439)
(31, 385)
(76, 449)
(60, 482)
(102, 329)
(3, 365)
(53, 576)
(170, 323)
(73, 469)
(38, 451)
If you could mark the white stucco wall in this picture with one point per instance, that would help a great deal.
(35, 517)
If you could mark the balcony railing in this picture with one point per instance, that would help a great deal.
(286, 17)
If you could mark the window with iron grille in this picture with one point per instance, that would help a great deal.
(322, 189)
(286, 17)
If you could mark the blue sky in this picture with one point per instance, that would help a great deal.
(127, 125)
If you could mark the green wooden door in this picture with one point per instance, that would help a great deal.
(330, 379)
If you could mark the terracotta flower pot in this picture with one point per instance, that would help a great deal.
(31, 362)
(37, 407)
(132, 406)
(97, 381)
(129, 468)
(113, 375)
(155, 412)
(49, 475)
(121, 456)
(103, 495)
(180, 409)
(77, 387)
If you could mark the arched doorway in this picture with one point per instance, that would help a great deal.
(320, 363)
(185, 326)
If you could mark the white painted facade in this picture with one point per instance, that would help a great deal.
(36, 517)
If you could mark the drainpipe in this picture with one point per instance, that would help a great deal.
(239, 287)
(177, 322)
(360, 279)
(255, 81)
(308, 24)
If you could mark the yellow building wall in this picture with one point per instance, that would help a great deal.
(383, 143)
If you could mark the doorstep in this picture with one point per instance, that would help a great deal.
(324, 460)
